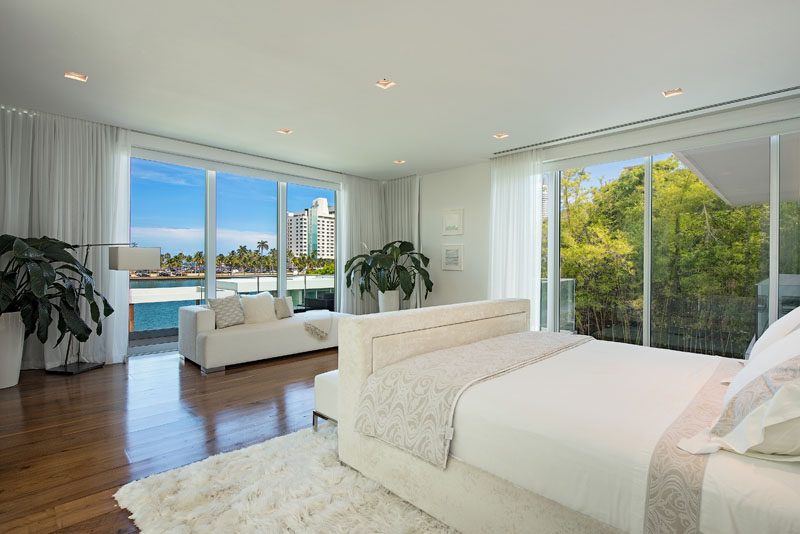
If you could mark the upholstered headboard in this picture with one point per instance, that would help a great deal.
(370, 342)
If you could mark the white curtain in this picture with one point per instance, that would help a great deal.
(515, 229)
(401, 220)
(360, 218)
(71, 179)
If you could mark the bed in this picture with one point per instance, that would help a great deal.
(561, 445)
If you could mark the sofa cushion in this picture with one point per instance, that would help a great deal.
(284, 307)
(227, 311)
(258, 308)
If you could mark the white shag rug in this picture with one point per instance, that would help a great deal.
(292, 483)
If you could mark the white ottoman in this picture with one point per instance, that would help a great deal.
(326, 396)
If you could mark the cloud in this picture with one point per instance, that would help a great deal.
(165, 178)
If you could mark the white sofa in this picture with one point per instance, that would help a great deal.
(213, 349)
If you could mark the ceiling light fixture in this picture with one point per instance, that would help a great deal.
(672, 92)
(76, 76)
(399, 161)
(283, 131)
(383, 83)
(500, 135)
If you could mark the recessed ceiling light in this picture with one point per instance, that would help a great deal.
(283, 131)
(500, 135)
(75, 76)
(383, 83)
(672, 92)
(399, 161)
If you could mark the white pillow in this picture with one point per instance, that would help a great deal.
(284, 307)
(227, 311)
(785, 325)
(761, 409)
(258, 308)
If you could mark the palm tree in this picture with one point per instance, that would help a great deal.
(262, 246)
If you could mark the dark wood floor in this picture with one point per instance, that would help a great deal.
(68, 443)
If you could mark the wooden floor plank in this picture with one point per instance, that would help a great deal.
(68, 443)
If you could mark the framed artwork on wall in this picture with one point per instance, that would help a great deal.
(452, 257)
(453, 222)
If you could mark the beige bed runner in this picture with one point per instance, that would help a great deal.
(410, 404)
(675, 477)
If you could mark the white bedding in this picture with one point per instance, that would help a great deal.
(580, 429)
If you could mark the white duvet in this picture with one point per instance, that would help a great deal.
(580, 429)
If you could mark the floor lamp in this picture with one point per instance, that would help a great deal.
(121, 257)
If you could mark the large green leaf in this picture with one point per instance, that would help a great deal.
(37, 281)
(44, 320)
(406, 281)
(8, 290)
(6, 243)
(24, 251)
(75, 324)
(381, 280)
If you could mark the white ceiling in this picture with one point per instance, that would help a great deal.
(228, 74)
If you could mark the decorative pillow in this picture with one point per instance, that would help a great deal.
(783, 326)
(284, 307)
(227, 311)
(258, 308)
(761, 410)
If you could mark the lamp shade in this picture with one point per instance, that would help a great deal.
(133, 258)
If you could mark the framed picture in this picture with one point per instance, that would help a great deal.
(453, 222)
(452, 257)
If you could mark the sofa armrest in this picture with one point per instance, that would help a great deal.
(193, 320)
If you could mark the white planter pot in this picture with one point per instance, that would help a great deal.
(12, 335)
(389, 300)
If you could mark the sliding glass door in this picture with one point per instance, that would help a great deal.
(675, 250)
(167, 211)
(246, 235)
(601, 250)
(310, 246)
(789, 263)
(711, 248)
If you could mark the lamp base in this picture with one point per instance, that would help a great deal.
(74, 368)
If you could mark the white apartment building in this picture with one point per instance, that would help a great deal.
(313, 229)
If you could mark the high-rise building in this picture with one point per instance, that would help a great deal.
(313, 229)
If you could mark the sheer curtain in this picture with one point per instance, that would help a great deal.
(401, 216)
(69, 179)
(360, 229)
(515, 229)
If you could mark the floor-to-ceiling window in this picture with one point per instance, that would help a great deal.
(310, 245)
(681, 249)
(601, 250)
(246, 235)
(711, 247)
(167, 211)
(244, 216)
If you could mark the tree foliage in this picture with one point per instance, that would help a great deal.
(707, 258)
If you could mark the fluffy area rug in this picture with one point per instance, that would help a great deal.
(292, 483)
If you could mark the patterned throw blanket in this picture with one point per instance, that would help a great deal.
(410, 404)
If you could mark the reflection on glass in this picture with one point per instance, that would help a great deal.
(602, 219)
(247, 245)
(167, 211)
(710, 248)
(789, 244)
(310, 246)
(545, 208)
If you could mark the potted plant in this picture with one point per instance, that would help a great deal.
(41, 281)
(389, 270)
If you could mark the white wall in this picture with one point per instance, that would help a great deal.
(468, 188)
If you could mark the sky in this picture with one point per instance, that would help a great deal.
(168, 207)
(610, 171)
